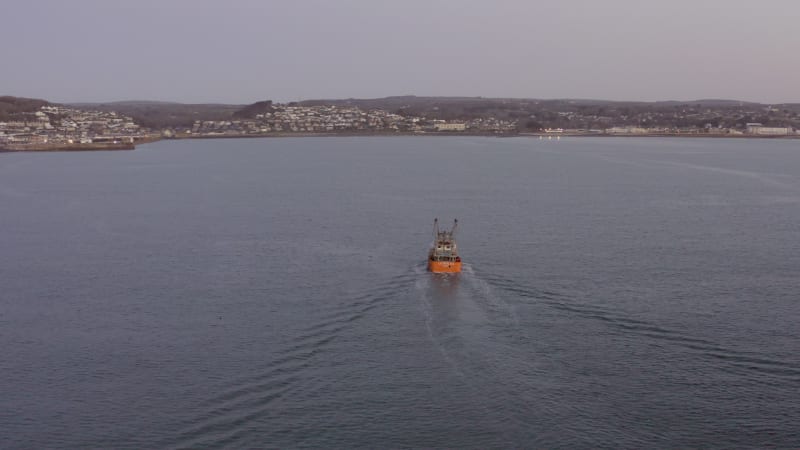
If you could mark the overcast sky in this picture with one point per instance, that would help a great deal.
(242, 51)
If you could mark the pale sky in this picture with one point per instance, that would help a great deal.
(241, 51)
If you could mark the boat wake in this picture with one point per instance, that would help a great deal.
(494, 302)
(464, 315)
(223, 418)
(428, 285)
(742, 362)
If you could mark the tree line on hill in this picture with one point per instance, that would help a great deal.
(12, 107)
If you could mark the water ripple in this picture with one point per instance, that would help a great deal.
(223, 417)
(622, 324)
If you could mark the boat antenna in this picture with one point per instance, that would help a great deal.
(455, 225)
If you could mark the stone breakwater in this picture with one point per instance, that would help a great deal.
(66, 147)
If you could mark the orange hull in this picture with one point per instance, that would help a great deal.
(444, 266)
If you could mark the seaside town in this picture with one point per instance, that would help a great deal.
(338, 119)
(56, 127)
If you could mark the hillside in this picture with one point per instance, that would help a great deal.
(158, 115)
(251, 111)
(529, 114)
(533, 114)
(10, 106)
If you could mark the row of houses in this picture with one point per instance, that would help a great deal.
(761, 130)
(754, 129)
(62, 125)
(331, 118)
(317, 119)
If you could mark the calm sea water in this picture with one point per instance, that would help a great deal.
(621, 293)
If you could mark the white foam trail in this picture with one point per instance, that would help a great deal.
(423, 286)
(485, 290)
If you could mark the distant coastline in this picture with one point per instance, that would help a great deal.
(37, 125)
(546, 136)
(472, 134)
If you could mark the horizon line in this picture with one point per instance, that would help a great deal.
(481, 97)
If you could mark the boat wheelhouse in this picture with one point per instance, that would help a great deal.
(443, 255)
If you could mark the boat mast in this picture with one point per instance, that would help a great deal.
(435, 229)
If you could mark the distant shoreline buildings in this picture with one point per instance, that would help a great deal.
(54, 127)
(60, 127)
(337, 119)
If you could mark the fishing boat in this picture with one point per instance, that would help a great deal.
(443, 255)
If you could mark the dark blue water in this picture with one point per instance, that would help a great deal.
(620, 293)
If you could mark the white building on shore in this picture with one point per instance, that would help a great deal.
(761, 130)
(452, 126)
